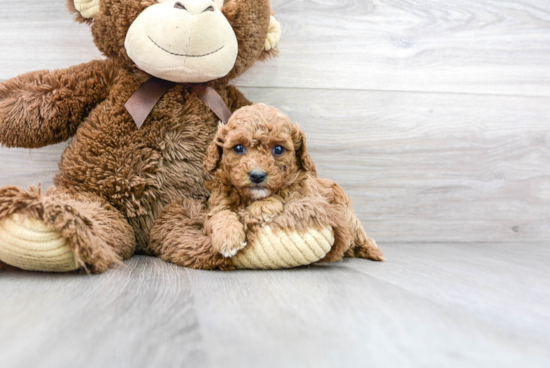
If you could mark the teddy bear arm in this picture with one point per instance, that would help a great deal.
(316, 213)
(46, 107)
(305, 232)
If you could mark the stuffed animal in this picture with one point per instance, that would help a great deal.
(141, 120)
(267, 209)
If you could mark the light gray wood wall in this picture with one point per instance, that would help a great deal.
(433, 115)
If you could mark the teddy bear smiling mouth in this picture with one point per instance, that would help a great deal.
(173, 53)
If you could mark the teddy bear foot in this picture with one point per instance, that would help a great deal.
(58, 232)
(29, 244)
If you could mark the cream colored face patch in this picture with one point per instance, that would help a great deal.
(183, 41)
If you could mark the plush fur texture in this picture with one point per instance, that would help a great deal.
(115, 180)
(290, 197)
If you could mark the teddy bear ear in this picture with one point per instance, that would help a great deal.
(87, 8)
(273, 34)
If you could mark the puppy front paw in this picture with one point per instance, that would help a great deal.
(231, 250)
(228, 243)
(265, 210)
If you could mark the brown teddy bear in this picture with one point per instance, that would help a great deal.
(140, 130)
(267, 209)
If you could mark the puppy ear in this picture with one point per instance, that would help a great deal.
(213, 157)
(304, 159)
(214, 152)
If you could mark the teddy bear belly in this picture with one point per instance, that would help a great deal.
(140, 171)
(285, 249)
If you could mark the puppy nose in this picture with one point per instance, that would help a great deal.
(257, 177)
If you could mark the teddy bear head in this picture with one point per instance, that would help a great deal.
(182, 41)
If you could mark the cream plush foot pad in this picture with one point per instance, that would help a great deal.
(285, 249)
(31, 245)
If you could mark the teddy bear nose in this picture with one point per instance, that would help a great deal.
(195, 8)
(257, 177)
(179, 5)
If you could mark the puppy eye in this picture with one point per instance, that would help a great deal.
(238, 149)
(278, 150)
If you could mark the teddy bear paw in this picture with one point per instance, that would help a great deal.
(29, 244)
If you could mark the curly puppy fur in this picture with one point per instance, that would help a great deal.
(290, 195)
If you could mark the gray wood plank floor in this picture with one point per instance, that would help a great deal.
(430, 305)
(433, 115)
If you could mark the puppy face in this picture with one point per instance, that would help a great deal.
(258, 152)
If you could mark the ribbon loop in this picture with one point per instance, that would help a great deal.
(142, 102)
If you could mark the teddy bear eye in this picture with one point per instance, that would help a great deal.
(238, 149)
(278, 150)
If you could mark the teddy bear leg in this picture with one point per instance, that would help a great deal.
(177, 236)
(57, 232)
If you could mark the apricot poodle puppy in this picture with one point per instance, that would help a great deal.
(262, 174)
